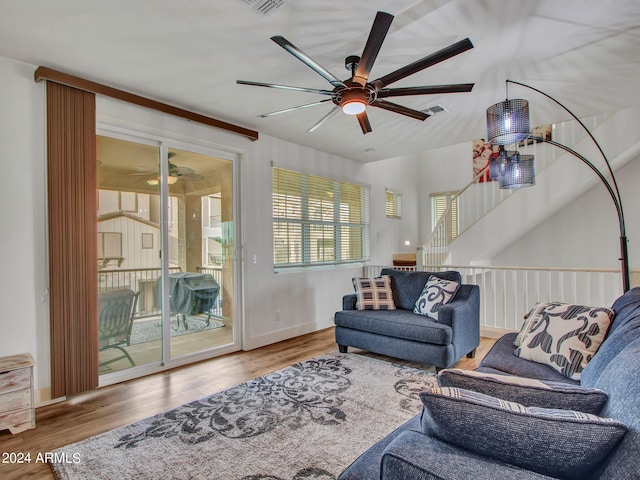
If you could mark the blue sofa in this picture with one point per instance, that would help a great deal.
(409, 453)
(403, 334)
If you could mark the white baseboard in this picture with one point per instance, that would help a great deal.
(493, 332)
(285, 334)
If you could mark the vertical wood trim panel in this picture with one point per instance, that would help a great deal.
(73, 269)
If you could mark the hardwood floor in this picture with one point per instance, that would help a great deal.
(98, 411)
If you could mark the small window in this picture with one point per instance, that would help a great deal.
(445, 204)
(393, 204)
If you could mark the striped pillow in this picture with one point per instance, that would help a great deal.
(374, 293)
(527, 391)
(559, 443)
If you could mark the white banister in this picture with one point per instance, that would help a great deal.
(508, 293)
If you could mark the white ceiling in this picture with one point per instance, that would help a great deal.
(190, 53)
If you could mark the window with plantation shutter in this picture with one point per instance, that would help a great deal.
(393, 204)
(440, 203)
(318, 221)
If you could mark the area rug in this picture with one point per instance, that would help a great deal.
(310, 420)
(150, 330)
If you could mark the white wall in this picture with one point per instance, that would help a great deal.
(441, 170)
(276, 306)
(24, 320)
(585, 232)
(388, 235)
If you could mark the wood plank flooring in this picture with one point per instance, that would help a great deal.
(98, 411)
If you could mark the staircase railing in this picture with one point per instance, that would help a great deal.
(478, 198)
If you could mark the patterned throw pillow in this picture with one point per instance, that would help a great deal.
(530, 321)
(436, 292)
(374, 293)
(566, 337)
(558, 443)
(527, 391)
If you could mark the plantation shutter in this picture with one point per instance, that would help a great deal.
(318, 221)
(440, 202)
(393, 203)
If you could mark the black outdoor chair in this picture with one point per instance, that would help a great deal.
(116, 309)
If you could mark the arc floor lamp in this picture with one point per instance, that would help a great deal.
(508, 123)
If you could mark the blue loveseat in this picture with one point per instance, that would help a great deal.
(400, 333)
(409, 453)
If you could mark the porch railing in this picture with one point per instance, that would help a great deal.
(143, 280)
(508, 293)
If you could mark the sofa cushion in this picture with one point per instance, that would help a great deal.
(399, 324)
(501, 359)
(527, 391)
(620, 378)
(558, 443)
(407, 286)
(435, 293)
(624, 328)
(566, 337)
(374, 293)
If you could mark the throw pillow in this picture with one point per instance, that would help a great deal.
(558, 443)
(566, 337)
(530, 320)
(527, 391)
(374, 293)
(435, 293)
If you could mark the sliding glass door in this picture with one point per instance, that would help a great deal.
(165, 253)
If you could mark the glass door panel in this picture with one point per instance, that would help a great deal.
(195, 223)
(129, 260)
(201, 249)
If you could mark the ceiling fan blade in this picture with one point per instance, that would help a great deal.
(264, 115)
(192, 176)
(180, 170)
(307, 60)
(426, 90)
(331, 113)
(437, 57)
(394, 107)
(377, 35)
(284, 87)
(363, 120)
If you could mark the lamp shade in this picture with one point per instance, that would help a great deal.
(497, 164)
(519, 171)
(508, 122)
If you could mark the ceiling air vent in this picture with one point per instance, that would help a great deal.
(265, 7)
(435, 110)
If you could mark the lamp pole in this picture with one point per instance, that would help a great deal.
(612, 187)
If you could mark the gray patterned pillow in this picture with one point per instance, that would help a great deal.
(559, 443)
(527, 391)
(435, 293)
(530, 321)
(374, 293)
(566, 337)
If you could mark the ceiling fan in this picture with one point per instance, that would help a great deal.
(175, 173)
(353, 95)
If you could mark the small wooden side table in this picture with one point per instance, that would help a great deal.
(17, 411)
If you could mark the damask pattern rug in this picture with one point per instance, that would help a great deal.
(308, 421)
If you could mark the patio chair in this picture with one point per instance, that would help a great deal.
(116, 309)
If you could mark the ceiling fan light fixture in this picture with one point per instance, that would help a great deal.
(354, 107)
(353, 102)
(171, 179)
